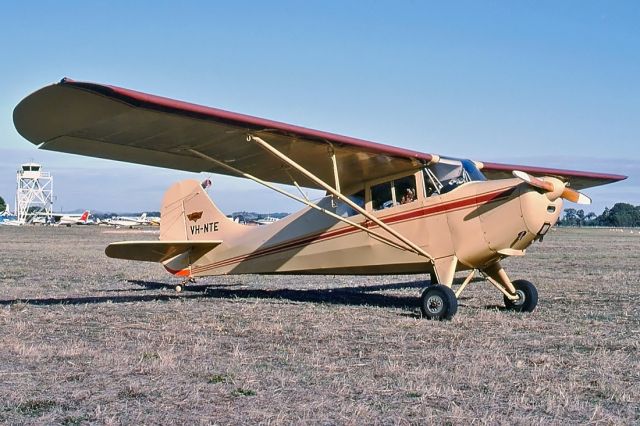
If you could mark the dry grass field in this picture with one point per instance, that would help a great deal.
(87, 339)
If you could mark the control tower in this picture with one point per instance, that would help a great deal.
(34, 196)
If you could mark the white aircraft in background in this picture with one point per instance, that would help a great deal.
(72, 218)
(267, 220)
(128, 221)
(9, 219)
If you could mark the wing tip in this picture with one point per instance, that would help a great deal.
(604, 178)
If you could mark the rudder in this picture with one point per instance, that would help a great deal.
(187, 214)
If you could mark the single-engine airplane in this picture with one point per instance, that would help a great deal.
(387, 210)
(128, 221)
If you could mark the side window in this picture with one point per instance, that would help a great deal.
(405, 189)
(344, 210)
(381, 196)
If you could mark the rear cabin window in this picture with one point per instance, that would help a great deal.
(393, 193)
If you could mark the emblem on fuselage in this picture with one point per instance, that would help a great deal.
(194, 216)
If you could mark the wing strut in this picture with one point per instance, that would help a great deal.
(415, 248)
(305, 201)
(334, 162)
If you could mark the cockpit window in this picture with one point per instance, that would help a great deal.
(472, 171)
(405, 189)
(446, 175)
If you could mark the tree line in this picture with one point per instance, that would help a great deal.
(620, 215)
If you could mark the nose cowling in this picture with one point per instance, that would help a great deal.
(540, 211)
(508, 217)
(510, 224)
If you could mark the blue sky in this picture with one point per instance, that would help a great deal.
(545, 83)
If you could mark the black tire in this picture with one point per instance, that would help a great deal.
(528, 297)
(438, 302)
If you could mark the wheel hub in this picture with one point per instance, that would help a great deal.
(434, 304)
(521, 298)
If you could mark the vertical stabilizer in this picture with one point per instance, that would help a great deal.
(188, 213)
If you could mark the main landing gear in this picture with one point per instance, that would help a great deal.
(527, 297)
(440, 302)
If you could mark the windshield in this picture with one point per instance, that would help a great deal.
(446, 175)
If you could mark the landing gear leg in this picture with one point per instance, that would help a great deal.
(519, 295)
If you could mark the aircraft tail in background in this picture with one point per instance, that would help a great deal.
(85, 217)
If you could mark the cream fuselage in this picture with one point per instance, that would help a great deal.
(473, 223)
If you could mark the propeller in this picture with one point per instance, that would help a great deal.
(552, 185)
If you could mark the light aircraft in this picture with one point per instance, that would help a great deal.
(128, 221)
(387, 210)
(267, 220)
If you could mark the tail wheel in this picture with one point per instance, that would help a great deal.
(527, 297)
(438, 302)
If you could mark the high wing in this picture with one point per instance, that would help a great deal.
(121, 124)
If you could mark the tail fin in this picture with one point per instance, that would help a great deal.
(188, 214)
(85, 216)
(142, 217)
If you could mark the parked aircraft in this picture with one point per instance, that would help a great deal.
(388, 210)
(267, 220)
(69, 219)
(128, 221)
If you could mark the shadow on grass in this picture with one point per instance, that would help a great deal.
(354, 296)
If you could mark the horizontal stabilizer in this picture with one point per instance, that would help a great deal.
(158, 251)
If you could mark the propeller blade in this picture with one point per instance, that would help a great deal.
(567, 193)
(575, 196)
(534, 181)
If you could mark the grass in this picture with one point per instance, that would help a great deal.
(35, 408)
(217, 378)
(243, 392)
(87, 339)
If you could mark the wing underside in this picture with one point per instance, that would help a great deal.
(120, 124)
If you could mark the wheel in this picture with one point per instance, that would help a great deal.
(178, 288)
(528, 297)
(438, 302)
